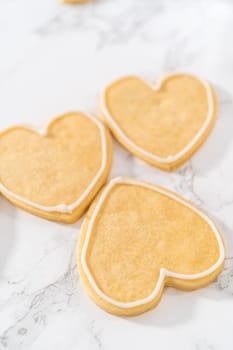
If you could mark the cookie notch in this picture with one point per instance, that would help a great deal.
(170, 162)
(68, 213)
(166, 277)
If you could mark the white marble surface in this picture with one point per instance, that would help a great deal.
(55, 58)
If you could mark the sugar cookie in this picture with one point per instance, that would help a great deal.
(55, 173)
(163, 124)
(138, 238)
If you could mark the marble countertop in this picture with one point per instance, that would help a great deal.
(55, 58)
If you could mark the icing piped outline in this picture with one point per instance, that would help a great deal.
(163, 272)
(64, 208)
(156, 87)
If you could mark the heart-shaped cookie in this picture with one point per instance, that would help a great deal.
(57, 172)
(139, 237)
(162, 124)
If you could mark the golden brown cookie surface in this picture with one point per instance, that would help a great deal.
(55, 173)
(137, 238)
(162, 124)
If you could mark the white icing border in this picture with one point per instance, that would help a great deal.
(65, 208)
(163, 272)
(156, 87)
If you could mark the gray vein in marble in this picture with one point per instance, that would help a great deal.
(186, 187)
(224, 281)
(96, 335)
(55, 297)
(204, 345)
(112, 27)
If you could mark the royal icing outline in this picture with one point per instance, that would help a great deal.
(65, 208)
(156, 87)
(163, 272)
